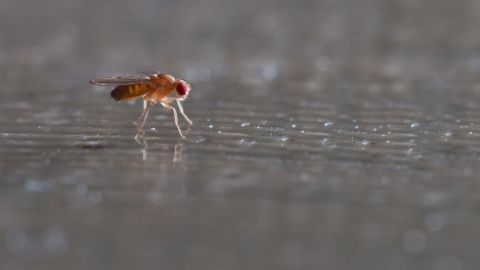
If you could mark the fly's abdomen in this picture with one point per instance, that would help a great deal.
(124, 92)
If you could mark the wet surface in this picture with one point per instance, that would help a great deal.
(327, 135)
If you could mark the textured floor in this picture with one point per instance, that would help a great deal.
(328, 135)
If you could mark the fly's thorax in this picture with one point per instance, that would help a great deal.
(159, 94)
(167, 87)
(164, 80)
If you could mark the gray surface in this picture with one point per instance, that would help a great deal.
(328, 135)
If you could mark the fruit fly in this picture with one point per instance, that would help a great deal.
(153, 88)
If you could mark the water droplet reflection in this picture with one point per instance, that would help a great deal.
(414, 125)
(282, 139)
(33, 185)
(434, 222)
(50, 242)
(247, 142)
(55, 240)
(81, 189)
(364, 142)
(15, 239)
(414, 241)
(449, 263)
(95, 197)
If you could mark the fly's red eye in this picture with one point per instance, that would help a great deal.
(181, 89)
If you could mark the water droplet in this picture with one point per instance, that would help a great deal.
(414, 241)
(326, 142)
(155, 196)
(68, 180)
(245, 124)
(364, 142)
(269, 71)
(322, 63)
(81, 189)
(305, 177)
(412, 152)
(414, 125)
(55, 240)
(210, 126)
(448, 134)
(294, 125)
(219, 132)
(247, 142)
(282, 139)
(328, 124)
(197, 139)
(95, 197)
(91, 145)
(434, 222)
(435, 198)
(15, 239)
(33, 185)
(449, 263)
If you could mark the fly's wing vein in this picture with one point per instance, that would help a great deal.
(121, 80)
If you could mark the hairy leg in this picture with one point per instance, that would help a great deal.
(143, 118)
(180, 107)
(139, 120)
(175, 117)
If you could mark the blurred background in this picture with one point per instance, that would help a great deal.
(330, 134)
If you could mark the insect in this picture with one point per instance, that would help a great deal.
(154, 88)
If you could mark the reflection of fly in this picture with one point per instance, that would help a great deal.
(153, 88)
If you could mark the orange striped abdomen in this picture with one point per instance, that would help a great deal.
(124, 92)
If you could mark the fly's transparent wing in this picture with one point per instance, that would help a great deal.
(121, 80)
(150, 73)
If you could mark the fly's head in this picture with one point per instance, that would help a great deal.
(183, 88)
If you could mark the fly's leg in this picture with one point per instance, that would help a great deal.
(175, 117)
(180, 107)
(139, 120)
(143, 118)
